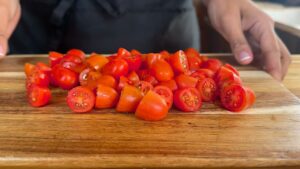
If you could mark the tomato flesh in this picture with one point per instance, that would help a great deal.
(187, 99)
(81, 99)
(166, 93)
(233, 98)
(207, 89)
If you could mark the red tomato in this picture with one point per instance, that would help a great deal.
(135, 52)
(133, 77)
(144, 87)
(151, 58)
(166, 93)
(134, 62)
(179, 62)
(234, 98)
(165, 55)
(152, 80)
(106, 97)
(171, 84)
(122, 52)
(43, 67)
(193, 58)
(187, 99)
(39, 78)
(107, 80)
(81, 99)
(96, 61)
(212, 64)
(116, 68)
(55, 58)
(129, 99)
(74, 63)
(250, 96)
(38, 96)
(184, 81)
(76, 52)
(225, 77)
(205, 72)
(152, 107)
(83, 76)
(162, 70)
(93, 79)
(64, 78)
(29, 69)
(232, 69)
(124, 81)
(207, 89)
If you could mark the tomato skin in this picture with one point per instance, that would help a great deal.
(212, 64)
(152, 107)
(134, 61)
(135, 52)
(171, 84)
(193, 58)
(179, 62)
(187, 99)
(165, 55)
(250, 96)
(129, 99)
(122, 52)
(38, 96)
(64, 78)
(162, 70)
(151, 58)
(232, 69)
(207, 89)
(123, 81)
(96, 61)
(76, 52)
(151, 79)
(234, 98)
(38, 77)
(106, 97)
(184, 81)
(107, 80)
(166, 93)
(133, 77)
(116, 68)
(225, 77)
(205, 72)
(29, 69)
(144, 87)
(73, 62)
(54, 58)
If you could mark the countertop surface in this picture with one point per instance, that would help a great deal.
(264, 136)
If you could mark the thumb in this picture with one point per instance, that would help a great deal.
(3, 46)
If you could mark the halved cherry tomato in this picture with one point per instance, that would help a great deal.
(250, 96)
(122, 52)
(106, 97)
(76, 52)
(55, 58)
(187, 99)
(152, 107)
(193, 58)
(107, 80)
(225, 77)
(135, 52)
(133, 77)
(179, 62)
(151, 79)
(151, 58)
(83, 76)
(171, 84)
(116, 68)
(96, 61)
(38, 78)
(207, 89)
(206, 72)
(232, 69)
(134, 61)
(43, 67)
(38, 96)
(129, 99)
(165, 55)
(64, 78)
(123, 81)
(184, 81)
(212, 64)
(144, 87)
(81, 99)
(162, 70)
(29, 69)
(234, 98)
(73, 62)
(166, 93)
(93, 80)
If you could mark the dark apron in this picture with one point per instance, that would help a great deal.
(105, 25)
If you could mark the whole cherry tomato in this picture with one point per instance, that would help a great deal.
(76, 52)
(64, 78)
(73, 62)
(129, 99)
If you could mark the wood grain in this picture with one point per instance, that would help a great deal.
(267, 135)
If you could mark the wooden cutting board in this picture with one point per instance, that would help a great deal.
(267, 135)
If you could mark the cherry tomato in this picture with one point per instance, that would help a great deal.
(129, 99)
(133, 77)
(123, 81)
(171, 84)
(106, 97)
(207, 89)
(179, 62)
(134, 62)
(144, 87)
(74, 63)
(225, 77)
(83, 76)
(135, 52)
(96, 61)
(151, 58)
(234, 98)
(206, 72)
(39, 78)
(77, 52)
(107, 80)
(64, 78)
(232, 69)
(250, 96)
(43, 67)
(184, 81)
(81, 99)
(55, 58)
(152, 107)
(29, 69)
(212, 64)
(152, 80)
(187, 99)
(162, 70)
(38, 96)
(166, 93)
(165, 55)
(93, 80)
(116, 68)
(122, 52)
(193, 58)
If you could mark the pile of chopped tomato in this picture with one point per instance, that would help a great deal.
(148, 85)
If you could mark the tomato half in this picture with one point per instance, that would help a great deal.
(76, 52)
(134, 61)
(54, 58)
(250, 96)
(233, 98)
(171, 84)
(133, 77)
(96, 61)
(179, 62)
(74, 63)
(29, 69)
(187, 99)
(212, 64)
(106, 97)
(225, 77)
(162, 70)
(64, 78)
(193, 58)
(123, 81)
(207, 89)
(38, 77)
(135, 52)
(165, 55)
(144, 87)
(151, 58)
(81, 99)
(122, 52)
(166, 93)
(116, 68)
(232, 69)
(107, 80)
(152, 107)
(184, 81)
(38, 96)
(129, 99)
(206, 72)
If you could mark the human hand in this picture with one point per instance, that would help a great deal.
(10, 12)
(250, 33)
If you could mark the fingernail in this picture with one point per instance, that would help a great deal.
(1, 51)
(245, 57)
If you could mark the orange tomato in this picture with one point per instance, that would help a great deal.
(129, 99)
(106, 97)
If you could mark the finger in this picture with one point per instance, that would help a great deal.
(13, 21)
(285, 58)
(231, 30)
(4, 18)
